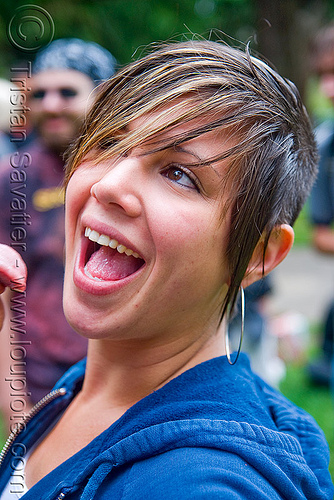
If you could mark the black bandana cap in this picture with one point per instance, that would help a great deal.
(72, 53)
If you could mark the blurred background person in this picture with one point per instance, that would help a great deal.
(322, 195)
(64, 76)
(6, 146)
(258, 341)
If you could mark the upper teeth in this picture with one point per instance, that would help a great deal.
(103, 239)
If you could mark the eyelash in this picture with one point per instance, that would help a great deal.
(107, 143)
(185, 171)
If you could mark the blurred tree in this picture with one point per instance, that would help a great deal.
(284, 30)
(278, 29)
(124, 25)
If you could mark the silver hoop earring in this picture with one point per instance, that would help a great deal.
(227, 336)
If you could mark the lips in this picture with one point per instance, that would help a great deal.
(105, 262)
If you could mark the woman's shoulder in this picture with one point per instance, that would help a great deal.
(188, 473)
(204, 448)
(195, 472)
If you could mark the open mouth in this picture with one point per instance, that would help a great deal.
(108, 260)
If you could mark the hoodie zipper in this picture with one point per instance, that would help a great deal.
(35, 409)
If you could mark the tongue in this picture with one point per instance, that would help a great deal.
(109, 265)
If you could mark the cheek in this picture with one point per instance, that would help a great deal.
(36, 111)
(77, 108)
(193, 241)
(174, 228)
(77, 193)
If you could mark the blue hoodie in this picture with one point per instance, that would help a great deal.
(216, 431)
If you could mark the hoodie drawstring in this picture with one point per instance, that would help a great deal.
(96, 480)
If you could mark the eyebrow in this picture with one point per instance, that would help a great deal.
(179, 148)
(183, 150)
(175, 147)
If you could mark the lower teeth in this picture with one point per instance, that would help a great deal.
(90, 276)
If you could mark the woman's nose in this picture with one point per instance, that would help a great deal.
(121, 186)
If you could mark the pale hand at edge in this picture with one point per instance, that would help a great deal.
(13, 273)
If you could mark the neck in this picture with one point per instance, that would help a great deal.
(122, 373)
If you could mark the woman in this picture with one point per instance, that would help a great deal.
(182, 188)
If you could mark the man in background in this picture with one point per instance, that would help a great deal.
(322, 196)
(64, 77)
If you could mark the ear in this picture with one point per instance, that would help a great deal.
(279, 245)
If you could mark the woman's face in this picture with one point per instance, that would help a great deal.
(167, 275)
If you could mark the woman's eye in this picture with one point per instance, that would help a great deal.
(110, 142)
(178, 175)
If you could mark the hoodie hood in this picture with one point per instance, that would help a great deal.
(213, 405)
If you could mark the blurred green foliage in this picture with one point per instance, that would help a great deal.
(317, 401)
(319, 106)
(123, 26)
(303, 228)
(279, 31)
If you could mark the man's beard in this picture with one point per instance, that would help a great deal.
(58, 138)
